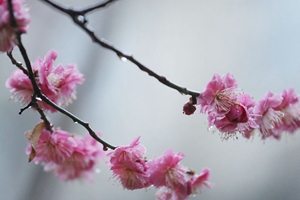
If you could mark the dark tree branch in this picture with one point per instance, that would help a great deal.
(13, 21)
(76, 15)
(38, 94)
(33, 103)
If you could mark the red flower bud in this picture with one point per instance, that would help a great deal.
(189, 108)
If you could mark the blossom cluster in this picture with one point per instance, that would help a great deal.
(8, 33)
(173, 180)
(58, 83)
(232, 111)
(67, 155)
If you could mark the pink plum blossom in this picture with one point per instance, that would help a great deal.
(132, 174)
(133, 152)
(165, 193)
(173, 180)
(129, 165)
(240, 118)
(268, 116)
(166, 170)
(54, 147)
(81, 164)
(199, 181)
(20, 86)
(194, 184)
(57, 83)
(7, 33)
(68, 156)
(219, 94)
(290, 107)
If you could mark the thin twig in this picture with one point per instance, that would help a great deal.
(94, 7)
(16, 63)
(34, 104)
(74, 14)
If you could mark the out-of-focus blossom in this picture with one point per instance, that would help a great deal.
(219, 95)
(82, 162)
(68, 156)
(20, 86)
(199, 181)
(173, 180)
(268, 116)
(54, 147)
(57, 83)
(290, 107)
(165, 193)
(7, 33)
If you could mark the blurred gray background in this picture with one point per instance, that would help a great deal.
(187, 41)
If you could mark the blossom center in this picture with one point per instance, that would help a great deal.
(237, 114)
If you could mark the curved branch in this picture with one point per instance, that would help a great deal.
(75, 15)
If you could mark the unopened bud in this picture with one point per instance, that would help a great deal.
(189, 108)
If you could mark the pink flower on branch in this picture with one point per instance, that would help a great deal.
(240, 118)
(219, 95)
(199, 181)
(133, 152)
(290, 107)
(166, 170)
(20, 86)
(8, 37)
(54, 147)
(129, 165)
(173, 180)
(81, 164)
(268, 115)
(165, 193)
(57, 83)
(68, 156)
(132, 174)
(193, 186)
